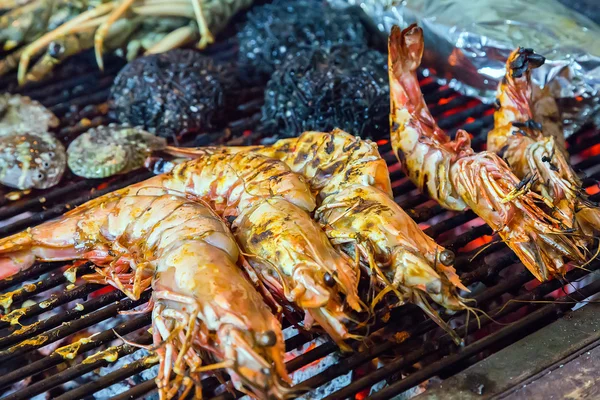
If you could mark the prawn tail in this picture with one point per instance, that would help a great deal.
(588, 216)
(405, 49)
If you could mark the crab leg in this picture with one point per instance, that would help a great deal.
(171, 10)
(174, 39)
(62, 30)
(103, 30)
(206, 36)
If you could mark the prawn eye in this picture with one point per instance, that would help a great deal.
(328, 279)
(447, 258)
(267, 339)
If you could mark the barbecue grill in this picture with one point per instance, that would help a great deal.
(528, 336)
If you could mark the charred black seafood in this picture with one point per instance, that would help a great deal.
(322, 90)
(275, 32)
(110, 150)
(30, 156)
(172, 93)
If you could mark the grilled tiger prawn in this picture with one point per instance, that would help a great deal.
(457, 177)
(533, 150)
(359, 215)
(203, 303)
(270, 206)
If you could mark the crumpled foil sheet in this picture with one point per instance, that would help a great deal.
(467, 44)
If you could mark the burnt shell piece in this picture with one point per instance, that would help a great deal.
(31, 160)
(21, 115)
(344, 88)
(110, 150)
(275, 32)
(172, 93)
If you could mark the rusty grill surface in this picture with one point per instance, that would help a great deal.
(399, 355)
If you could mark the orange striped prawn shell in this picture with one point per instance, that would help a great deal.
(203, 303)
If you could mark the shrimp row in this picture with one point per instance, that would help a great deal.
(351, 181)
(203, 302)
(450, 172)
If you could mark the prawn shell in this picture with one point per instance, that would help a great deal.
(31, 160)
(110, 150)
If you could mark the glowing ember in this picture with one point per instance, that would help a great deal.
(591, 151)
(591, 190)
(446, 100)
(458, 109)
(477, 243)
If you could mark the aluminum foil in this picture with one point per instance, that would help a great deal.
(467, 44)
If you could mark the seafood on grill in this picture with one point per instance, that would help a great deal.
(359, 215)
(202, 302)
(457, 177)
(30, 28)
(269, 208)
(104, 151)
(173, 93)
(30, 157)
(535, 149)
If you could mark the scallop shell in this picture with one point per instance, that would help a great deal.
(110, 150)
(22, 115)
(31, 160)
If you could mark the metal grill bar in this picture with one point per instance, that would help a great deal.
(109, 379)
(74, 372)
(548, 311)
(28, 291)
(25, 315)
(445, 345)
(76, 325)
(137, 391)
(55, 358)
(28, 274)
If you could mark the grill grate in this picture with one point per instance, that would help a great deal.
(48, 314)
